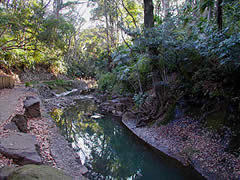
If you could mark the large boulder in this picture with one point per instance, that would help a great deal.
(21, 147)
(32, 172)
(21, 122)
(11, 126)
(32, 107)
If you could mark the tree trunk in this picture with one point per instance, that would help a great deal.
(209, 17)
(108, 37)
(149, 23)
(219, 15)
(57, 6)
(6, 82)
(148, 14)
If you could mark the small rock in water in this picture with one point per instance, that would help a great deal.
(96, 116)
(83, 170)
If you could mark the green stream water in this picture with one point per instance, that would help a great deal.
(111, 151)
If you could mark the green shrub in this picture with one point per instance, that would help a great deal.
(139, 98)
(28, 84)
(58, 82)
(31, 83)
(107, 81)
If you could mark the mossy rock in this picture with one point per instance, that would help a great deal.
(40, 172)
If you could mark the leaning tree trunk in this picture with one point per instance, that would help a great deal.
(6, 82)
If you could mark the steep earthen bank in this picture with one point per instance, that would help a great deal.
(184, 140)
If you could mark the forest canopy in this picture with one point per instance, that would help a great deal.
(31, 29)
(131, 42)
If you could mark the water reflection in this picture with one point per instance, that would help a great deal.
(108, 148)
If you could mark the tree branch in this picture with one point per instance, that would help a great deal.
(134, 21)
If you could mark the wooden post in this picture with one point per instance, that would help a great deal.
(6, 82)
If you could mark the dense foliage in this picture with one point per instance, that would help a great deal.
(30, 35)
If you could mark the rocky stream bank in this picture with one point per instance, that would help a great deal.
(184, 139)
(30, 137)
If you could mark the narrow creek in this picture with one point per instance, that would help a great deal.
(110, 150)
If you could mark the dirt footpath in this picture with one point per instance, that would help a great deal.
(11, 103)
(8, 101)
